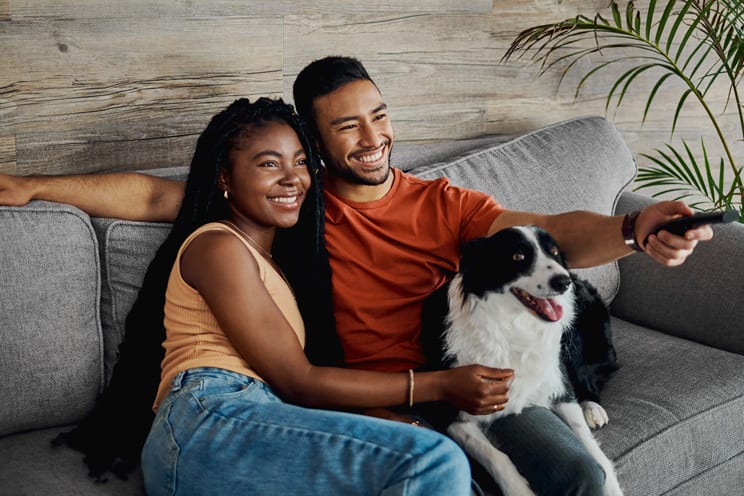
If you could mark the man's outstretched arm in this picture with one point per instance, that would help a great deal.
(127, 195)
(589, 239)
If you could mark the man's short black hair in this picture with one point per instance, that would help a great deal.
(321, 77)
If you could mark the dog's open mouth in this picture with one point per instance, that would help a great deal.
(545, 308)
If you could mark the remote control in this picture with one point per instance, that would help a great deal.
(681, 225)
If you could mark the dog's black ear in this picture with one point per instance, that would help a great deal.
(471, 251)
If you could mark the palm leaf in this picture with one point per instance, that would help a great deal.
(699, 42)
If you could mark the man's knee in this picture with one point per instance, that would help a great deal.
(580, 476)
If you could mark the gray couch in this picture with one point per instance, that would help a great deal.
(676, 405)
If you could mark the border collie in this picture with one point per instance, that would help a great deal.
(514, 305)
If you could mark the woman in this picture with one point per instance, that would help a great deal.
(234, 368)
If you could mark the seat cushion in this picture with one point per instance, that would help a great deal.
(676, 411)
(51, 348)
(580, 164)
(31, 466)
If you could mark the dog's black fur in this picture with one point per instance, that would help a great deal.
(587, 353)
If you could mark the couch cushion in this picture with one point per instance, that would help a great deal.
(580, 164)
(32, 467)
(675, 411)
(126, 251)
(51, 350)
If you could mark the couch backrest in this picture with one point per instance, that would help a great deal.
(51, 347)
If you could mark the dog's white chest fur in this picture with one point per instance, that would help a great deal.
(497, 331)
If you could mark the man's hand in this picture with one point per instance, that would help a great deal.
(666, 248)
(14, 190)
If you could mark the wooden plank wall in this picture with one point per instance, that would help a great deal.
(103, 85)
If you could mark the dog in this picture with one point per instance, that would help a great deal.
(514, 304)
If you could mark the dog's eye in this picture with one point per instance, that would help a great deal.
(554, 251)
(518, 257)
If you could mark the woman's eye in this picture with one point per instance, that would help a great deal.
(302, 162)
(518, 257)
(268, 164)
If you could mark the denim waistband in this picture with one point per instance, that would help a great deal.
(183, 378)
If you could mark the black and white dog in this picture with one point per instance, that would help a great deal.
(513, 304)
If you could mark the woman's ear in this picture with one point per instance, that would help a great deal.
(222, 181)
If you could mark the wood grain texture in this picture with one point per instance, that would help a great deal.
(107, 9)
(8, 154)
(4, 10)
(106, 94)
(103, 85)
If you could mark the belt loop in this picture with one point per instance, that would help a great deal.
(177, 382)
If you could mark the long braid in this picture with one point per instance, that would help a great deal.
(113, 435)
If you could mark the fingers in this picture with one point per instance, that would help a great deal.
(666, 248)
(491, 374)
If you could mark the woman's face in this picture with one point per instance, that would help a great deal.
(268, 177)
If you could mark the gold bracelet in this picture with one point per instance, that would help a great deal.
(410, 387)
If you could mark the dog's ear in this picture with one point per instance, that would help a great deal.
(471, 252)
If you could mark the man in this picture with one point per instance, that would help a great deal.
(375, 214)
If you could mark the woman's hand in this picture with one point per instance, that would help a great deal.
(477, 389)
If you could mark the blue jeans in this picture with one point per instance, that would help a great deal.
(547, 453)
(219, 432)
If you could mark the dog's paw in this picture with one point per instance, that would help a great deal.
(594, 414)
(612, 486)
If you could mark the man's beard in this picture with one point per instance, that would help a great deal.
(350, 176)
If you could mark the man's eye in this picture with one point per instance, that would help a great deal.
(268, 164)
(518, 257)
(380, 116)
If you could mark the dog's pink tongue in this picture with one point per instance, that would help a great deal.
(549, 308)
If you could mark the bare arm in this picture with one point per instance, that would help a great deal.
(589, 239)
(226, 275)
(126, 195)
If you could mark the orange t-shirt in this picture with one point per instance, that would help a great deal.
(388, 255)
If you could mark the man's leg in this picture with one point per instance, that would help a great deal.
(547, 453)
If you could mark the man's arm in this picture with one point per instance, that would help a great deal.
(589, 239)
(126, 195)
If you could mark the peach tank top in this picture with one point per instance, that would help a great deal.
(193, 335)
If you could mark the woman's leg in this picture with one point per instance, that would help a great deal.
(223, 433)
(547, 453)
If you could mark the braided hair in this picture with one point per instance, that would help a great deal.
(113, 435)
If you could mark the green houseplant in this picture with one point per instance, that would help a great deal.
(700, 42)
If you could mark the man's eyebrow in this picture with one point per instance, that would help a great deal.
(341, 120)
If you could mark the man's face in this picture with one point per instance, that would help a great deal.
(355, 133)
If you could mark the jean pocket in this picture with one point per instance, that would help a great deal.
(215, 391)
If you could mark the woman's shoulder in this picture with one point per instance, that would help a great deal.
(213, 236)
(215, 248)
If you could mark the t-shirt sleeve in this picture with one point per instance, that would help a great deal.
(478, 210)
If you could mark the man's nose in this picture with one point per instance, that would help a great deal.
(369, 137)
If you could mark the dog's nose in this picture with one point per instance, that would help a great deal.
(560, 283)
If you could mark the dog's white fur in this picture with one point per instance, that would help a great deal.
(497, 330)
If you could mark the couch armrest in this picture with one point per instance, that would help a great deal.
(702, 300)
